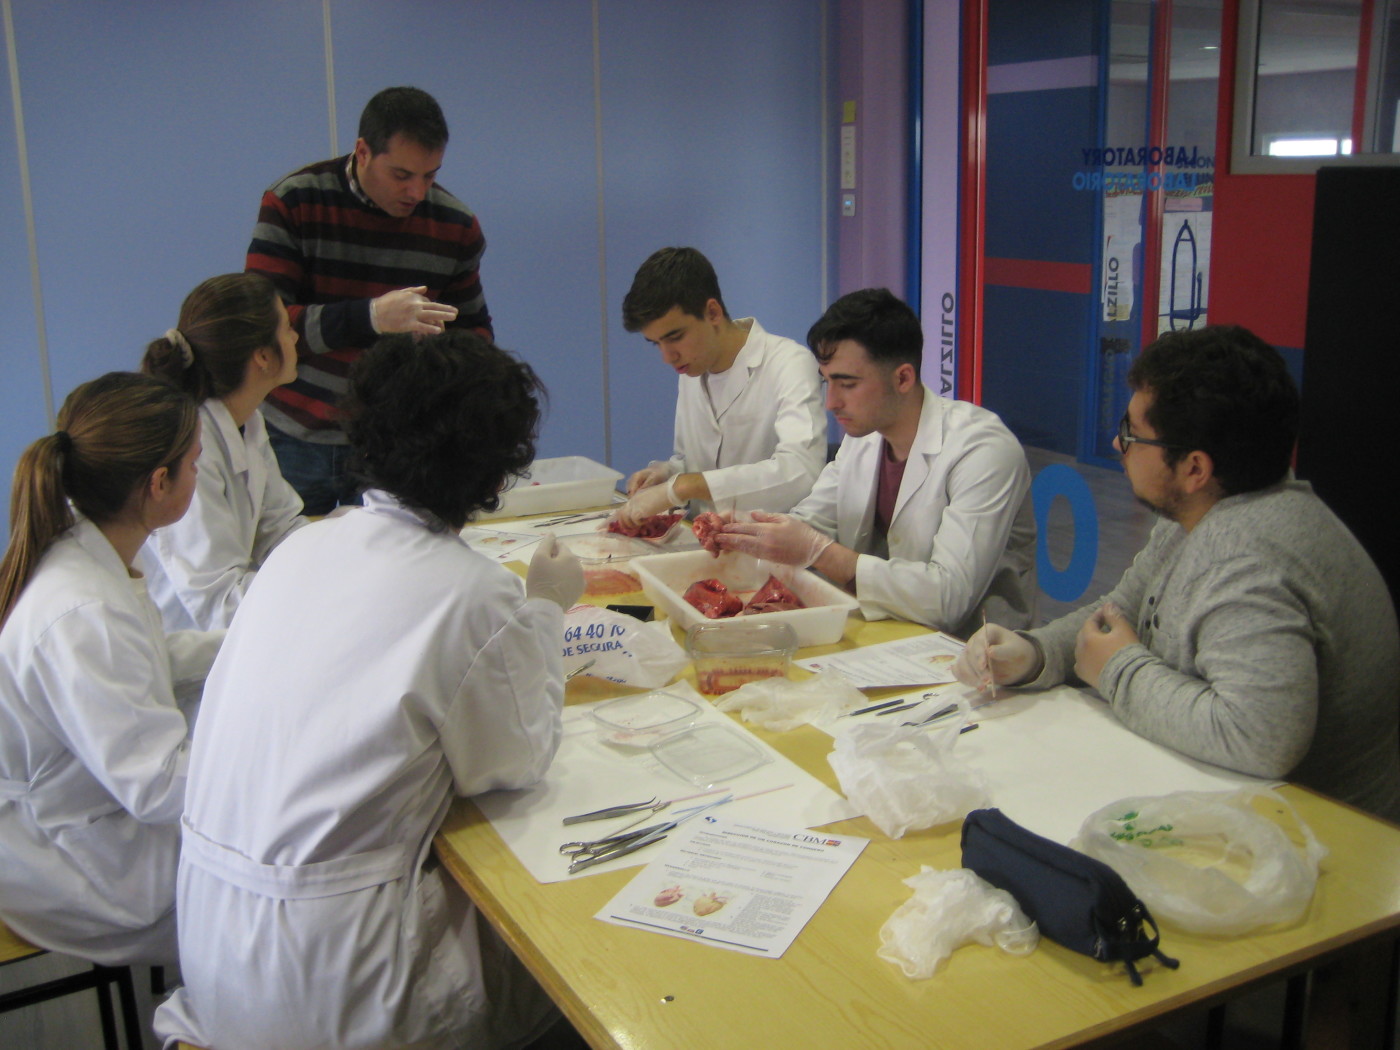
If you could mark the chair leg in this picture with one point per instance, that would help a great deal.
(104, 1009)
(126, 991)
(1215, 1027)
(1295, 1009)
(157, 980)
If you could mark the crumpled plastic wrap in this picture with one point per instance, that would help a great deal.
(778, 704)
(906, 777)
(1206, 861)
(625, 649)
(950, 909)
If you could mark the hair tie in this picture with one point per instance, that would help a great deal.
(65, 442)
(177, 339)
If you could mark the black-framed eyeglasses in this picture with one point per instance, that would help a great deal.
(1126, 438)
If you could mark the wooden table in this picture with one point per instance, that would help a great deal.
(633, 990)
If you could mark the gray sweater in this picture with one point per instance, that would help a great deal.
(1268, 646)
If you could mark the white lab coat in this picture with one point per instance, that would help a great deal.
(963, 533)
(328, 750)
(199, 568)
(762, 446)
(93, 756)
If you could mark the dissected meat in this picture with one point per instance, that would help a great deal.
(713, 599)
(648, 528)
(706, 527)
(773, 596)
(717, 601)
(609, 581)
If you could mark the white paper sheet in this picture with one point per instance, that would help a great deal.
(501, 544)
(1052, 758)
(590, 774)
(923, 660)
(747, 887)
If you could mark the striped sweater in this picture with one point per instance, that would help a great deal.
(329, 252)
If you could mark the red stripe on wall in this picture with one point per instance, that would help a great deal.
(1044, 276)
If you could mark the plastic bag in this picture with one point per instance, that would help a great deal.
(950, 909)
(1207, 862)
(906, 777)
(624, 649)
(778, 704)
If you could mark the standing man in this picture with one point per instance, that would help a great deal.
(926, 512)
(359, 246)
(749, 425)
(1253, 631)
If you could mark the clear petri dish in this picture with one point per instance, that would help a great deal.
(710, 755)
(646, 719)
(601, 548)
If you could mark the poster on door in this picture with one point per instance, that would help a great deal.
(1185, 269)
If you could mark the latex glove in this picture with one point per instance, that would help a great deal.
(775, 537)
(1105, 632)
(996, 656)
(708, 526)
(654, 473)
(554, 573)
(409, 310)
(649, 502)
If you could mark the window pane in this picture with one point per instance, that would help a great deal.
(1305, 84)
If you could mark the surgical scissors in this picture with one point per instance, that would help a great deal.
(586, 854)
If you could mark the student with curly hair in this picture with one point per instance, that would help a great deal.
(232, 346)
(1253, 631)
(330, 747)
(93, 744)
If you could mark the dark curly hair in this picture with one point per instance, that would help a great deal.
(1223, 390)
(442, 423)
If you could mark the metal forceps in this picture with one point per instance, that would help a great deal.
(586, 854)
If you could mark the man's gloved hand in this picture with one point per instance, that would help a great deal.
(409, 310)
(654, 473)
(707, 527)
(774, 537)
(554, 573)
(996, 656)
(648, 502)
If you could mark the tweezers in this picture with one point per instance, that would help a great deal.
(632, 843)
(611, 811)
(570, 519)
(942, 712)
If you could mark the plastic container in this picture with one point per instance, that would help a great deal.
(646, 719)
(728, 654)
(665, 578)
(710, 756)
(603, 548)
(562, 483)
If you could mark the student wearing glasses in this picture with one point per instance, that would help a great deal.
(1253, 631)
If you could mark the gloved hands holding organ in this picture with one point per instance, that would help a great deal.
(648, 503)
(773, 537)
(654, 473)
(996, 656)
(555, 574)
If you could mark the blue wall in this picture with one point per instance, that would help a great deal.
(152, 129)
(1034, 340)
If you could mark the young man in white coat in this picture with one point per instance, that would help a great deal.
(749, 425)
(312, 913)
(925, 514)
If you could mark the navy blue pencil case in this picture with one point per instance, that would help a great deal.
(1076, 900)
